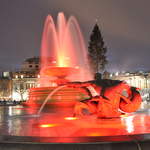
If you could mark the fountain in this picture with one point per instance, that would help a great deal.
(63, 51)
(63, 60)
(66, 83)
(64, 63)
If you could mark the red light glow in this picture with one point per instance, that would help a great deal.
(124, 115)
(94, 134)
(70, 118)
(48, 125)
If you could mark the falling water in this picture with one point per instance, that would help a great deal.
(49, 97)
(63, 46)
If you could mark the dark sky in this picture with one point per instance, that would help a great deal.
(125, 25)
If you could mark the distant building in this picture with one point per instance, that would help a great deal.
(31, 64)
(5, 89)
(26, 78)
(20, 86)
(15, 85)
(140, 80)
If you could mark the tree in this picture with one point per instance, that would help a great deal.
(97, 51)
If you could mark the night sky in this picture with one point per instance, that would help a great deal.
(125, 26)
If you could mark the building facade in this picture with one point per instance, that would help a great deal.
(15, 85)
(25, 79)
(139, 80)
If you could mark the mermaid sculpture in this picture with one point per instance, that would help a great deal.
(107, 98)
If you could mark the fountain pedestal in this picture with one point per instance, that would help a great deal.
(60, 73)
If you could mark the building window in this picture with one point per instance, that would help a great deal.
(30, 66)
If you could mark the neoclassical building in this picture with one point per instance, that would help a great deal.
(15, 85)
(25, 78)
(139, 80)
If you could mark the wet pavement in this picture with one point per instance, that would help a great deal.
(21, 124)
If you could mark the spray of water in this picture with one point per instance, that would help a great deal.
(49, 97)
(63, 46)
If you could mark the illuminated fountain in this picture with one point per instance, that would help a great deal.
(63, 62)
(63, 51)
(63, 59)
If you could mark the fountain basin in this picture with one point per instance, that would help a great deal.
(64, 97)
(52, 128)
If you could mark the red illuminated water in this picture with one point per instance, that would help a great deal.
(64, 59)
(58, 126)
(63, 46)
